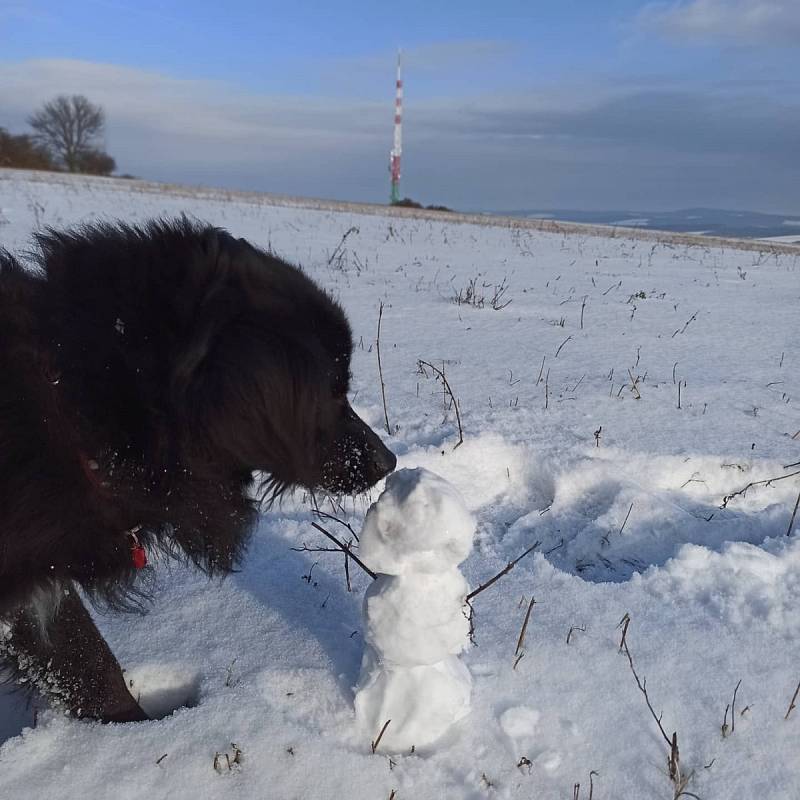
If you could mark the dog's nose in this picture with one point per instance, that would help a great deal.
(384, 460)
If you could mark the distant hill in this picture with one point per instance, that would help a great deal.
(709, 221)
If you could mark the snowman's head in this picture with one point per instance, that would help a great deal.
(420, 523)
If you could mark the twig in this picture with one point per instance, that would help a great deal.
(575, 387)
(521, 639)
(573, 628)
(541, 370)
(613, 286)
(583, 305)
(623, 623)
(547, 389)
(324, 514)
(679, 781)
(733, 706)
(643, 689)
(347, 572)
(792, 705)
(307, 578)
(439, 374)
(634, 386)
(794, 514)
(229, 675)
(380, 735)
(556, 547)
(346, 549)
(625, 521)
(692, 480)
(561, 345)
(380, 370)
(766, 481)
(341, 244)
(508, 567)
(471, 620)
(683, 329)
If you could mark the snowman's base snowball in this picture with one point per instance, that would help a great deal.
(421, 702)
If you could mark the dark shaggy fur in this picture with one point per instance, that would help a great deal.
(145, 373)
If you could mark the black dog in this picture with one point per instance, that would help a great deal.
(145, 374)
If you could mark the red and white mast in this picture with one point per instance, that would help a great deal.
(394, 159)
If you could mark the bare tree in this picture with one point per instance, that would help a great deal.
(69, 128)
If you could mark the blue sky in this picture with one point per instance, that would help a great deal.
(509, 105)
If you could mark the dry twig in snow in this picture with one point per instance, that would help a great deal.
(380, 370)
(765, 482)
(508, 567)
(439, 375)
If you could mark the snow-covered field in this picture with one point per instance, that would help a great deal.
(573, 437)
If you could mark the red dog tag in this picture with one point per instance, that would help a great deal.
(138, 554)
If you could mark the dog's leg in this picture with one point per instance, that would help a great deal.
(68, 661)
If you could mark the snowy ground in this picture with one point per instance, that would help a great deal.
(267, 659)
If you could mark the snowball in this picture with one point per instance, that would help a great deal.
(417, 618)
(420, 523)
(421, 702)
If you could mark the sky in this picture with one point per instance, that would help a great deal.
(514, 104)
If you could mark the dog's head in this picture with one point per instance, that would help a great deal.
(264, 375)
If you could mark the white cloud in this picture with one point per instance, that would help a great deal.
(493, 151)
(174, 106)
(739, 21)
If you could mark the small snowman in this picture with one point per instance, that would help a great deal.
(415, 536)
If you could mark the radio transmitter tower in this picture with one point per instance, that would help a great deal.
(394, 158)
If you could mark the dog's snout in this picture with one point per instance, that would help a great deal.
(358, 458)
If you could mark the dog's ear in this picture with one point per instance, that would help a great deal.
(214, 300)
